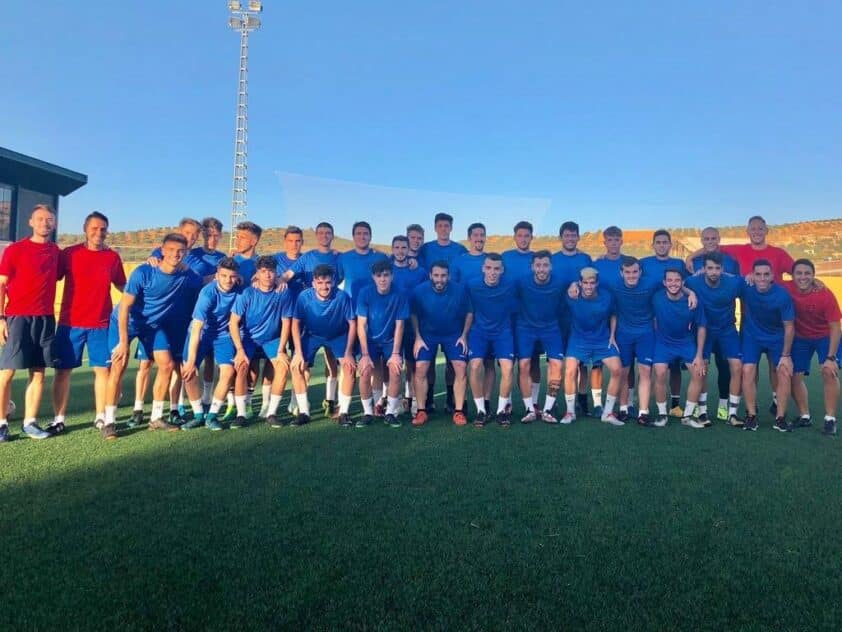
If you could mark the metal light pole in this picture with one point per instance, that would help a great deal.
(243, 19)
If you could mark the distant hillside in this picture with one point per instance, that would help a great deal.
(820, 241)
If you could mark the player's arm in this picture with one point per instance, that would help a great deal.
(362, 333)
(692, 299)
(466, 327)
(612, 330)
(395, 361)
(348, 358)
(298, 353)
(785, 363)
(830, 365)
(121, 352)
(699, 360)
(688, 260)
(419, 341)
(4, 330)
(240, 357)
(188, 367)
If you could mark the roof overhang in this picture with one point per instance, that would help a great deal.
(37, 175)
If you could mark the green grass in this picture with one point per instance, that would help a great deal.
(536, 527)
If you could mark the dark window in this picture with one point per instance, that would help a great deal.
(5, 212)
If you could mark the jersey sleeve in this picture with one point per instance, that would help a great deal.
(787, 306)
(402, 312)
(7, 263)
(831, 308)
(299, 312)
(347, 307)
(137, 280)
(241, 304)
(118, 272)
(204, 306)
(288, 307)
(157, 253)
(362, 303)
(700, 316)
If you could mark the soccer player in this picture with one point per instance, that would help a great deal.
(757, 248)
(293, 242)
(517, 262)
(406, 279)
(540, 299)
(768, 327)
(28, 273)
(155, 307)
(608, 265)
(441, 248)
(415, 238)
(679, 335)
(718, 294)
(260, 320)
(354, 266)
(817, 332)
(246, 237)
(323, 318)
(468, 266)
(593, 323)
(90, 269)
(710, 243)
(441, 315)
(382, 312)
(210, 336)
(207, 255)
(494, 302)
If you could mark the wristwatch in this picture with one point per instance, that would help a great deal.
(831, 358)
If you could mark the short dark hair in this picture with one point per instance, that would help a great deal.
(211, 222)
(266, 262)
(676, 270)
(42, 207)
(325, 225)
(358, 225)
(754, 217)
(613, 231)
(228, 263)
(474, 226)
(176, 237)
(441, 263)
(189, 220)
(415, 228)
(293, 230)
(542, 254)
(804, 262)
(627, 261)
(661, 232)
(250, 227)
(573, 227)
(443, 217)
(402, 238)
(95, 215)
(381, 266)
(493, 256)
(761, 262)
(323, 270)
(523, 224)
(714, 256)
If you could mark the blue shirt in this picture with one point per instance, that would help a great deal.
(720, 302)
(405, 280)
(589, 317)
(610, 272)
(566, 268)
(493, 305)
(355, 269)
(655, 268)
(161, 297)
(517, 264)
(207, 262)
(635, 313)
(213, 308)
(729, 264)
(440, 314)
(539, 304)
(431, 252)
(324, 319)
(248, 267)
(307, 262)
(676, 322)
(382, 311)
(284, 263)
(764, 313)
(261, 312)
(467, 267)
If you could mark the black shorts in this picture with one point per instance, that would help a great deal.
(30, 342)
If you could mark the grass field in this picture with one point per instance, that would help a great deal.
(536, 527)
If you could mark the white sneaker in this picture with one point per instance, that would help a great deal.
(611, 418)
(529, 417)
(547, 417)
(660, 421)
(264, 411)
(568, 418)
(690, 421)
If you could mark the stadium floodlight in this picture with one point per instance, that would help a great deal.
(245, 21)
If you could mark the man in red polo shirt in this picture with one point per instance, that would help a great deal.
(28, 273)
(89, 271)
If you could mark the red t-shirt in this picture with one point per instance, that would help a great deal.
(88, 275)
(32, 270)
(746, 256)
(813, 311)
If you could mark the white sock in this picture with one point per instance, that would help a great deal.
(197, 407)
(570, 402)
(733, 404)
(345, 403)
(4, 422)
(610, 400)
(368, 406)
(241, 401)
(181, 396)
(596, 394)
(536, 390)
(479, 402)
(407, 391)
(249, 395)
(230, 398)
(549, 402)
(29, 420)
(216, 404)
(157, 410)
(643, 411)
(110, 415)
(303, 403)
(826, 418)
(689, 407)
(265, 394)
(330, 389)
(775, 397)
(528, 405)
(624, 408)
(703, 403)
(274, 402)
(392, 405)
(502, 402)
(59, 419)
(377, 394)
(413, 407)
(138, 404)
(207, 392)
(662, 408)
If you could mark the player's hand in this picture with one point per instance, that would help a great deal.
(688, 263)
(297, 361)
(818, 286)
(412, 263)
(573, 290)
(612, 342)
(395, 364)
(692, 299)
(280, 285)
(419, 344)
(188, 370)
(120, 353)
(153, 261)
(366, 366)
(830, 369)
(785, 367)
(461, 342)
(283, 360)
(749, 279)
(699, 366)
(4, 331)
(240, 360)
(348, 362)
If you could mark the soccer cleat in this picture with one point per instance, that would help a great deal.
(34, 431)
(345, 420)
(829, 427)
(529, 417)
(782, 425)
(504, 419)
(230, 413)
(99, 422)
(597, 412)
(548, 418)
(773, 408)
(661, 421)
(176, 418)
(55, 427)
(644, 420)
(136, 419)
(623, 416)
(197, 422)
(568, 418)
(611, 418)
(4, 433)
(459, 418)
(160, 424)
(676, 411)
(722, 413)
(750, 423)
(735, 421)
(273, 422)
(212, 423)
(364, 421)
(300, 420)
(480, 419)
(691, 422)
(705, 420)
(420, 418)
(108, 432)
(803, 422)
(239, 422)
(392, 421)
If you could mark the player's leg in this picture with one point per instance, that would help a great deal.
(504, 397)
(525, 386)
(644, 392)
(661, 370)
(476, 372)
(299, 387)
(141, 388)
(489, 379)
(596, 388)
(612, 364)
(783, 385)
(694, 389)
(750, 388)
(6, 376)
(164, 368)
(773, 386)
(571, 382)
(830, 382)
(348, 375)
(675, 389)
(280, 375)
(422, 371)
(535, 375)
(450, 385)
(208, 373)
(460, 387)
(393, 395)
(366, 375)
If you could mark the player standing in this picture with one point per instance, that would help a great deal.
(710, 243)
(405, 280)
(467, 266)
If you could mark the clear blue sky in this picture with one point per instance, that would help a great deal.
(641, 114)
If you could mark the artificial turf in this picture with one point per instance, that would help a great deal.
(535, 527)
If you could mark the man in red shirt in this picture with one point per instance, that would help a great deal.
(89, 271)
(817, 331)
(28, 273)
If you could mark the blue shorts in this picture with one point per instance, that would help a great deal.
(585, 351)
(753, 348)
(529, 341)
(725, 344)
(640, 347)
(150, 339)
(380, 350)
(312, 344)
(671, 352)
(222, 349)
(803, 350)
(499, 347)
(70, 342)
(452, 351)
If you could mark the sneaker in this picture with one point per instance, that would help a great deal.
(479, 419)
(420, 418)
(300, 420)
(379, 410)
(676, 411)
(704, 420)
(345, 420)
(176, 418)
(691, 422)
(136, 419)
(182, 411)
(644, 420)
(196, 422)
(568, 418)
(392, 421)
(828, 430)
(623, 416)
(803, 422)
(34, 431)
(597, 412)
(239, 422)
(160, 424)
(750, 423)
(99, 422)
(548, 418)
(529, 417)
(4, 433)
(55, 427)
(364, 421)
(230, 413)
(273, 422)
(212, 423)
(504, 419)
(722, 413)
(773, 408)
(735, 421)
(782, 425)
(108, 432)
(459, 418)
(611, 418)
(661, 421)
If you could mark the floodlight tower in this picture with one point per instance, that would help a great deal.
(243, 19)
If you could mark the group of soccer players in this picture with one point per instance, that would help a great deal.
(247, 320)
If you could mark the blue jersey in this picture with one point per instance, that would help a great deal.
(405, 280)
(539, 304)
(307, 262)
(213, 308)
(326, 319)
(355, 269)
(467, 267)
(493, 305)
(440, 313)
(206, 261)
(720, 302)
(261, 312)
(655, 268)
(676, 322)
(764, 313)
(161, 297)
(729, 264)
(517, 264)
(432, 251)
(566, 268)
(635, 313)
(248, 267)
(284, 263)
(381, 312)
(589, 317)
(610, 272)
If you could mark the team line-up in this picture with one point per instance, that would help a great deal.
(197, 312)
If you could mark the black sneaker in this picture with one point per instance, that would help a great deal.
(803, 422)
(479, 419)
(782, 425)
(392, 421)
(750, 423)
(345, 420)
(5, 436)
(175, 418)
(829, 427)
(704, 420)
(300, 420)
(504, 419)
(239, 422)
(364, 421)
(623, 416)
(55, 428)
(644, 420)
(273, 422)
(136, 419)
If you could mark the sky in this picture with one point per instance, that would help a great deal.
(637, 114)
